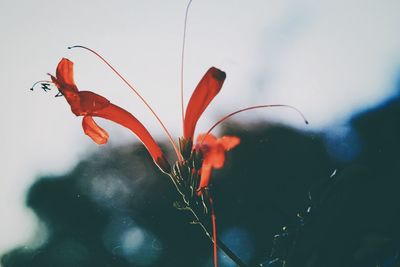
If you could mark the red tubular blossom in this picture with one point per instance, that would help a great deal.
(208, 87)
(89, 105)
(213, 150)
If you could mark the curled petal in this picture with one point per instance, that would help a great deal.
(206, 139)
(216, 157)
(229, 142)
(65, 74)
(213, 151)
(98, 134)
(208, 87)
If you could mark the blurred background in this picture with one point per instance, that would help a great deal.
(68, 202)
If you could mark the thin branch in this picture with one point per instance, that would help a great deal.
(221, 245)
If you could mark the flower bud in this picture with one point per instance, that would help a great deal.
(198, 158)
(185, 146)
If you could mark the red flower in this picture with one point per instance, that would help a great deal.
(89, 105)
(213, 151)
(208, 87)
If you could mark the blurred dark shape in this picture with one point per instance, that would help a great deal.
(116, 209)
(354, 216)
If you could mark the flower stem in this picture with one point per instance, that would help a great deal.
(206, 227)
(220, 244)
(214, 230)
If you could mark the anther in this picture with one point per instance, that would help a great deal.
(44, 85)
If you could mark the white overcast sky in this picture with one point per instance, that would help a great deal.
(328, 58)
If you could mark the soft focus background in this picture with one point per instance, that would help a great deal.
(337, 61)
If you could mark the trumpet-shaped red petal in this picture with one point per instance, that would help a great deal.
(205, 177)
(213, 150)
(89, 105)
(208, 87)
(126, 119)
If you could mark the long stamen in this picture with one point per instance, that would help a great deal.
(182, 60)
(137, 93)
(250, 108)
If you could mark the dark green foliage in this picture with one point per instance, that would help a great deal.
(354, 216)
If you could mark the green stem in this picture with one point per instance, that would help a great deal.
(200, 222)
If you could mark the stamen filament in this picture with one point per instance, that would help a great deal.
(251, 108)
(137, 93)
(182, 61)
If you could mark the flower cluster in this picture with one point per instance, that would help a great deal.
(192, 172)
(208, 150)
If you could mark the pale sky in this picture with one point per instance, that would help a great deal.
(327, 58)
